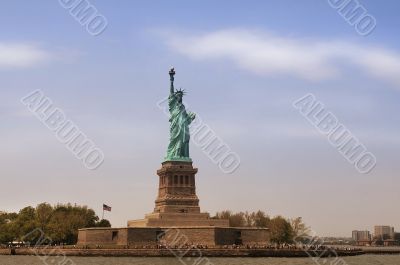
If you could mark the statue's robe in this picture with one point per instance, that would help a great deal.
(178, 147)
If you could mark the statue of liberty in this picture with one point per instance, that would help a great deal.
(178, 148)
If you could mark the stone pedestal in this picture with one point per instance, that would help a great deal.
(177, 188)
(177, 204)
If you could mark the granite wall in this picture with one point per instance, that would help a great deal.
(138, 236)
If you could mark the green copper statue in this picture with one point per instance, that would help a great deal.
(178, 148)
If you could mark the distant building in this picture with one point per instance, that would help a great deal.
(361, 235)
(384, 232)
(390, 242)
(362, 238)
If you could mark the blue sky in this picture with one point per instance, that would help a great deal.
(242, 64)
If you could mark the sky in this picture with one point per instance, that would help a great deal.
(242, 64)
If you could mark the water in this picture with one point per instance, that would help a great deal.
(359, 260)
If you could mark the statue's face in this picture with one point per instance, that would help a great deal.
(179, 97)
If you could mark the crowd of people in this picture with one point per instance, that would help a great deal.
(284, 246)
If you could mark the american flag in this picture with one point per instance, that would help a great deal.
(106, 208)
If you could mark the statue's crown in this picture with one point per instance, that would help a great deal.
(180, 91)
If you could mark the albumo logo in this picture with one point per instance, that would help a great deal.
(87, 15)
(355, 14)
(338, 135)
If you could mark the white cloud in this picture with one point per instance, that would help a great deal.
(264, 53)
(15, 55)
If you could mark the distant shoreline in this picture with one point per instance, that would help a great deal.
(381, 250)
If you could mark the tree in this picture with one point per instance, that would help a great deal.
(24, 224)
(59, 223)
(244, 219)
(44, 212)
(223, 215)
(260, 219)
(281, 230)
(300, 230)
(103, 223)
(248, 219)
(237, 220)
(6, 235)
(66, 220)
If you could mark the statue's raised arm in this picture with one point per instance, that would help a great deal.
(171, 78)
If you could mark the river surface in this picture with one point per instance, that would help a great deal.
(359, 260)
